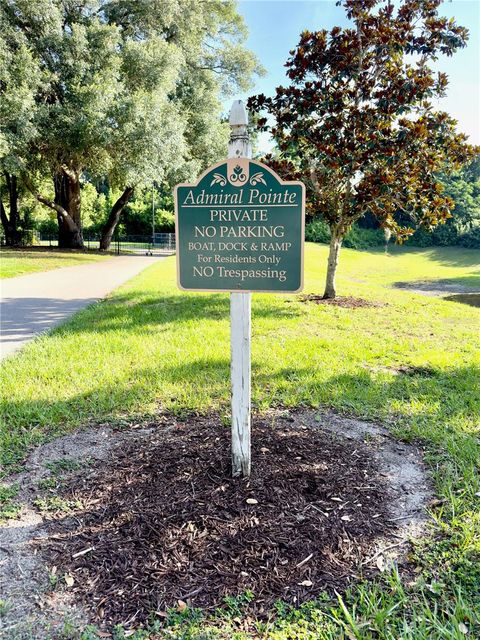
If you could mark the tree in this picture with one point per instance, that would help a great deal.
(463, 228)
(20, 77)
(137, 216)
(357, 122)
(208, 38)
(10, 221)
(463, 187)
(109, 102)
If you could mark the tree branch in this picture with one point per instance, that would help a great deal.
(110, 226)
(215, 68)
(69, 173)
(46, 201)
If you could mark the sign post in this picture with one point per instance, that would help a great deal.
(240, 229)
(240, 325)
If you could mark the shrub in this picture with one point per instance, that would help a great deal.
(48, 227)
(356, 238)
(421, 238)
(164, 221)
(445, 235)
(317, 231)
(471, 239)
(360, 238)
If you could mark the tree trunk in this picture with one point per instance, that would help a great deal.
(110, 226)
(335, 244)
(13, 201)
(67, 196)
(10, 223)
(66, 204)
(5, 223)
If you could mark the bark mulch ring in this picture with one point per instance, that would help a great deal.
(163, 521)
(348, 302)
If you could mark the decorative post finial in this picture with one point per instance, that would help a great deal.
(238, 114)
(239, 145)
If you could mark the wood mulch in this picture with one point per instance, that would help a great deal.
(164, 522)
(348, 302)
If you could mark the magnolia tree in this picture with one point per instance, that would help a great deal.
(116, 78)
(357, 123)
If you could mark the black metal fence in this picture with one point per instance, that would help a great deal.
(160, 242)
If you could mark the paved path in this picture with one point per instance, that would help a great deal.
(37, 302)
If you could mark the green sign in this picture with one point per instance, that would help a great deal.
(240, 228)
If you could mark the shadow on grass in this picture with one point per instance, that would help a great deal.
(429, 402)
(47, 253)
(462, 284)
(456, 257)
(445, 392)
(446, 256)
(472, 299)
(129, 311)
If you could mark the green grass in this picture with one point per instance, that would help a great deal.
(63, 464)
(151, 347)
(18, 262)
(56, 504)
(9, 507)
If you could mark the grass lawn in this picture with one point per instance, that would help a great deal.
(18, 262)
(151, 347)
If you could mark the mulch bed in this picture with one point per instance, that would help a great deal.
(164, 522)
(348, 302)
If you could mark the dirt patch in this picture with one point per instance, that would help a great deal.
(348, 302)
(156, 517)
(36, 602)
(436, 288)
(406, 370)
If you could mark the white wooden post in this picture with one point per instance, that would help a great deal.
(240, 322)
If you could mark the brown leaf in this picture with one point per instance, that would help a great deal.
(181, 605)
(381, 563)
(68, 579)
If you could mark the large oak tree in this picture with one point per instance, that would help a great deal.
(116, 77)
(357, 122)
(20, 79)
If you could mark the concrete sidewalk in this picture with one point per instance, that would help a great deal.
(35, 303)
